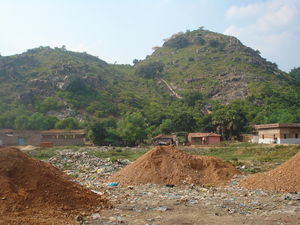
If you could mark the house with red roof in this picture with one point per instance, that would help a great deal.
(204, 138)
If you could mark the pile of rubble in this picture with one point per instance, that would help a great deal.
(88, 169)
(159, 204)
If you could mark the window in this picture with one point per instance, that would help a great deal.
(285, 136)
(296, 135)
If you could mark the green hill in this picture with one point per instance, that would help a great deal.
(218, 66)
(197, 81)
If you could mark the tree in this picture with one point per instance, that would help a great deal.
(36, 121)
(230, 120)
(166, 126)
(132, 128)
(295, 73)
(49, 103)
(21, 122)
(184, 122)
(191, 98)
(69, 123)
(150, 70)
(97, 133)
(76, 85)
(135, 61)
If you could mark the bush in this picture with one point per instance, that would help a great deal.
(198, 40)
(150, 70)
(214, 43)
(177, 42)
(69, 123)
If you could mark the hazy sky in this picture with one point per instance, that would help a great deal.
(122, 30)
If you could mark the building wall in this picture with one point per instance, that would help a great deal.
(290, 132)
(255, 139)
(30, 137)
(246, 138)
(213, 140)
(189, 138)
(269, 133)
(289, 141)
(63, 140)
(8, 140)
(279, 136)
(196, 140)
(35, 138)
(266, 141)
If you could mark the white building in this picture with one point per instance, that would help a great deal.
(279, 133)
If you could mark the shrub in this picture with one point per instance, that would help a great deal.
(214, 43)
(177, 42)
(150, 70)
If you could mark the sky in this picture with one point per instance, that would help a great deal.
(119, 31)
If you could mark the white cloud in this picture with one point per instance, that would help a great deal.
(244, 11)
(281, 16)
(271, 26)
(231, 30)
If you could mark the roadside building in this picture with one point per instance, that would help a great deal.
(278, 133)
(204, 138)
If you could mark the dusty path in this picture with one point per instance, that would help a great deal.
(171, 89)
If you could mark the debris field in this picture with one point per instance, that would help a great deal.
(164, 186)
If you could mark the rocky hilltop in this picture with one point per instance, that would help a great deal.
(217, 65)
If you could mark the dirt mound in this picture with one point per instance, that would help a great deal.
(35, 192)
(284, 178)
(167, 165)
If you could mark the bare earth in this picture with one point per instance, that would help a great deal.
(158, 204)
(139, 204)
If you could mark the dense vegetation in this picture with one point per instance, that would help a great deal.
(225, 86)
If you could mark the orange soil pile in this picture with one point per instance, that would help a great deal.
(35, 192)
(284, 178)
(167, 165)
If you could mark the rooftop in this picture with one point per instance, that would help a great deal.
(165, 136)
(277, 125)
(58, 131)
(203, 135)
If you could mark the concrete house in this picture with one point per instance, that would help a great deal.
(47, 138)
(204, 138)
(278, 133)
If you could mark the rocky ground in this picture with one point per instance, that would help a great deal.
(190, 204)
